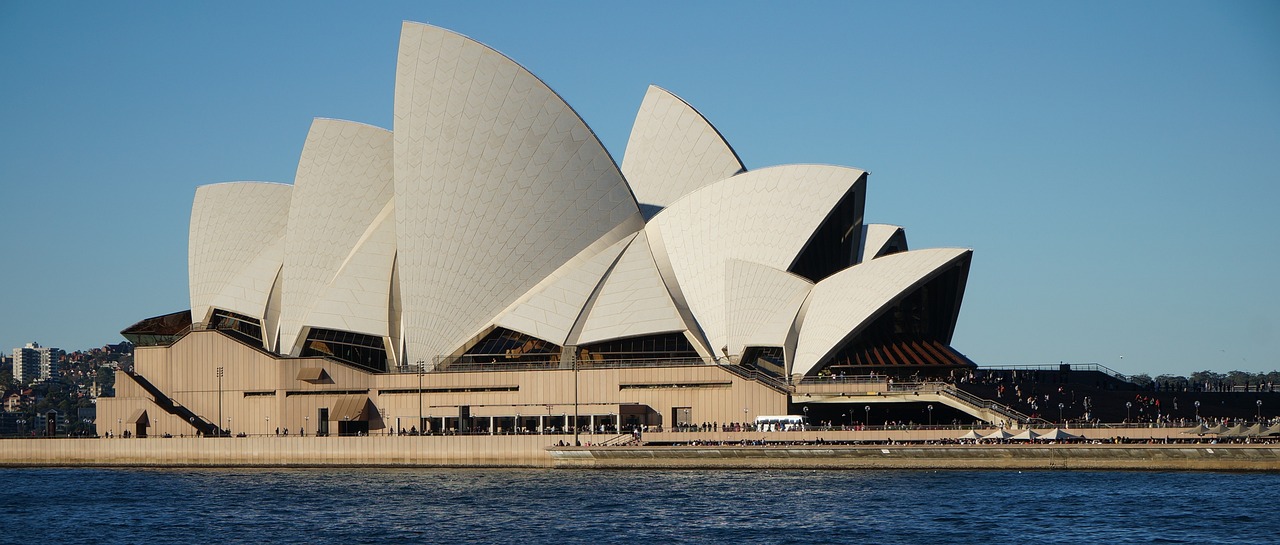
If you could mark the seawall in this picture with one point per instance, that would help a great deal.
(1117, 457)
(539, 451)
(273, 451)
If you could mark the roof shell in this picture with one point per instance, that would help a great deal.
(766, 216)
(673, 150)
(761, 304)
(236, 246)
(632, 300)
(551, 309)
(875, 236)
(340, 240)
(498, 183)
(839, 306)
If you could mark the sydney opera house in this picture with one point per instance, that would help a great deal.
(485, 266)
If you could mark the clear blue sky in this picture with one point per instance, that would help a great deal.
(1113, 165)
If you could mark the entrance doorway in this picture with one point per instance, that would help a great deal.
(322, 421)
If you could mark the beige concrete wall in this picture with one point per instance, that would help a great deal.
(912, 435)
(272, 451)
(187, 372)
(533, 451)
(1126, 457)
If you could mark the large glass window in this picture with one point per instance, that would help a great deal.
(238, 325)
(765, 358)
(504, 346)
(834, 245)
(665, 346)
(357, 349)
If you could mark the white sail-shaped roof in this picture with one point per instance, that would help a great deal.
(673, 151)
(761, 303)
(357, 299)
(498, 183)
(632, 301)
(340, 242)
(839, 306)
(550, 310)
(876, 236)
(236, 246)
(765, 216)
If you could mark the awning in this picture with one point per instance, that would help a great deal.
(312, 374)
(139, 417)
(350, 407)
(1057, 434)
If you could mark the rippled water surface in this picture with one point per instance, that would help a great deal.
(579, 506)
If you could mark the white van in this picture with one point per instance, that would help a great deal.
(780, 423)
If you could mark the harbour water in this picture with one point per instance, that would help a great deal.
(569, 506)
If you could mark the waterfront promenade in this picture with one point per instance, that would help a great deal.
(1100, 448)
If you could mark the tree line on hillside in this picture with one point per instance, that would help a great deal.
(1209, 381)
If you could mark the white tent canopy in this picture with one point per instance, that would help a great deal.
(1026, 435)
(999, 434)
(1057, 434)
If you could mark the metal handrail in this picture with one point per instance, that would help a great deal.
(974, 400)
(1058, 366)
(458, 367)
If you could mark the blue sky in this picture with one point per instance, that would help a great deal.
(1113, 165)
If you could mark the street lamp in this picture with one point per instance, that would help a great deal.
(806, 416)
(220, 400)
(422, 368)
(575, 402)
(268, 419)
(1060, 406)
(930, 407)
(1127, 405)
(119, 426)
(228, 426)
(306, 421)
(1259, 410)
(21, 423)
(866, 408)
(1197, 411)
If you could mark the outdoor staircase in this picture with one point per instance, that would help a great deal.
(769, 381)
(619, 441)
(172, 407)
(978, 406)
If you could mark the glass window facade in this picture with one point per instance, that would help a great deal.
(358, 349)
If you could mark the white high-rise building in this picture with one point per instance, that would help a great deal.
(34, 362)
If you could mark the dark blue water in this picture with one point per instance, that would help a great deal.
(571, 506)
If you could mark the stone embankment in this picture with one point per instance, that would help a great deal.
(1159, 449)
(1067, 456)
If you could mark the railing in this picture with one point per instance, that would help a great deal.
(1058, 367)
(173, 407)
(975, 401)
(851, 379)
(618, 441)
(758, 376)
(471, 367)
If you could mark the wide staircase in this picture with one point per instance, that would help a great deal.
(770, 381)
(982, 408)
(200, 423)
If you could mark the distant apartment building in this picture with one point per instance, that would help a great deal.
(33, 363)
